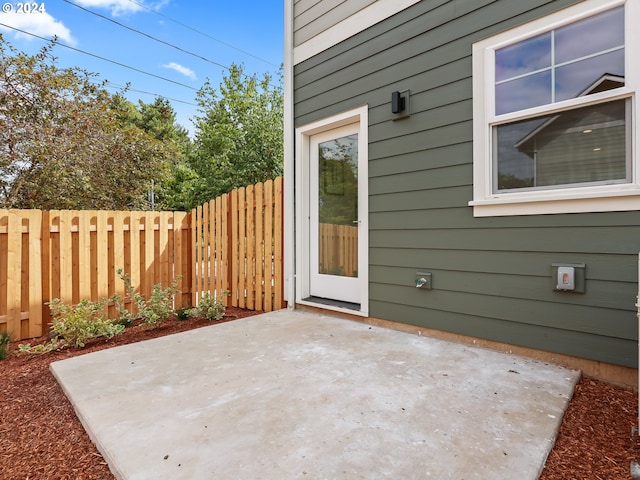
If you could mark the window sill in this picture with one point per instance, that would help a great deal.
(548, 203)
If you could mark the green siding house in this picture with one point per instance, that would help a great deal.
(469, 169)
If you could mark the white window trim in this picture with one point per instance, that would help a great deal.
(574, 199)
(303, 134)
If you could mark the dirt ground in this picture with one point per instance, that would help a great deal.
(41, 437)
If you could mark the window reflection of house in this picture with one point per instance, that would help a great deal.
(580, 146)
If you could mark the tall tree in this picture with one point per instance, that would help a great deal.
(63, 141)
(158, 119)
(239, 135)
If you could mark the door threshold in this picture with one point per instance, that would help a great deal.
(333, 303)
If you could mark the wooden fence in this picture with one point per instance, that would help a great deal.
(237, 244)
(338, 249)
(233, 243)
(74, 255)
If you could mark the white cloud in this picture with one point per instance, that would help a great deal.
(187, 72)
(160, 4)
(41, 24)
(117, 7)
(121, 7)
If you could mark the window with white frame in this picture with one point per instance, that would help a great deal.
(554, 121)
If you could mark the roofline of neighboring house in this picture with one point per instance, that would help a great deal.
(607, 77)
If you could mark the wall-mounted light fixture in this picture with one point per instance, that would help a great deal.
(397, 102)
(400, 104)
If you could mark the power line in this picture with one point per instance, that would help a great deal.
(200, 57)
(146, 35)
(129, 89)
(100, 57)
(199, 32)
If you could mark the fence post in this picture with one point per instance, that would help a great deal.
(148, 272)
(45, 263)
(65, 256)
(118, 261)
(181, 263)
(227, 218)
(84, 255)
(13, 286)
(195, 257)
(203, 236)
(102, 255)
(259, 247)
(249, 248)
(164, 272)
(269, 253)
(240, 241)
(34, 256)
(233, 257)
(134, 247)
(219, 265)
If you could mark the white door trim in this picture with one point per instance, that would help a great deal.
(302, 188)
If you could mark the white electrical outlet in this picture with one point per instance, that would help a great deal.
(566, 278)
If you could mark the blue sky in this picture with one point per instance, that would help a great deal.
(249, 32)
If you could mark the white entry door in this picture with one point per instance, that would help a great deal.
(335, 215)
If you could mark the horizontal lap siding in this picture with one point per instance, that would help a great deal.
(491, 276)
(313, 17)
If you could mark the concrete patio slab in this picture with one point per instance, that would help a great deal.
(293, 394)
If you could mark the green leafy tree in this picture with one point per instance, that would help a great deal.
(239, 136)
(64, 141)
(158, 119)
(338, 196)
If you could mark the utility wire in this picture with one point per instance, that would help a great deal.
(157, 95)
(100, 58)
(146, 35)
(200, 57)
(199, 32)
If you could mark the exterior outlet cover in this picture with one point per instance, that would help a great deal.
(568, 277)
(423, 280)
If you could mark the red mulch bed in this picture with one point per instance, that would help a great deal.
(595, 441)
(41, 437)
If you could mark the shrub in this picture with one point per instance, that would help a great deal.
(209, 308)
(76, 324)
(153, 311)
(159, 306)
(5, 339)
(55, 344)
(183, 313)
(73, 325)
(125, 317)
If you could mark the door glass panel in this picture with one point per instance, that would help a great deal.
(338, 207)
